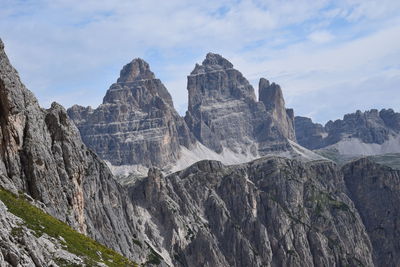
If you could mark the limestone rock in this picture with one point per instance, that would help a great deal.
(272, 97)
(309, 134)
(19, 246)
(360, 133)
(41, 153)
(270, 212)
(374, 186)
(223, 112)
(136, 124)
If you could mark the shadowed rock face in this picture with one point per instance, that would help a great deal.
(270, 212)
(308, 134)
(41, 153)
(136, 124)
(370, 127)
(223, 111)
(272, 97)
(375, 190)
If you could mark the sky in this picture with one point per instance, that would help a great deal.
(330, 57)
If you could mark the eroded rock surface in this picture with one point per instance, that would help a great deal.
(19, 246)
(41, 153)
(270, 212)
(374, 186)
(136, 124)
(369, 127)
(223, 112)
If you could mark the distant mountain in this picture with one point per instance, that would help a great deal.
(137, 126)
(272, 211)
(362, 133)
(137, 122)
(223, 111)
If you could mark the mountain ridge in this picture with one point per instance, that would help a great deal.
(271, 211)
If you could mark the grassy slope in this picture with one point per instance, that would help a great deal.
(40, 222)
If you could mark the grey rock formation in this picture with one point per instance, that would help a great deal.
(223, 111)
(272, 97)
(270, 212)
(370, 127)
(136, 124)
(374, 186)
(41, 153)
(308, 134)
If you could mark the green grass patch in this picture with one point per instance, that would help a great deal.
(40, 222)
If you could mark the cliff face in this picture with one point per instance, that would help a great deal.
(308, 134)
(374, 186)
(273, 211)
(270, 212)
(42, 154)
(223, 112)
(136, 124)
(366, 133)
(272, 97)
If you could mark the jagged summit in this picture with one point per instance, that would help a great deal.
(223, 111)
(137, 69)
(361, 133)
(138, 86)
(216, 59)
(212, 62)
(271, 95)
(137, 123)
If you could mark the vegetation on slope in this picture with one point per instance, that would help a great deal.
(40, 222)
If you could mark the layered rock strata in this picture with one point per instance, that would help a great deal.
(223, 112)
(370, 127)
(136, 124)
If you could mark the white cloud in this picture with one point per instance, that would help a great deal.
(72, 51)
(321, 37)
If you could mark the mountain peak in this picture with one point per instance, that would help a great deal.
(217, 60)
(137, 69)
(212, 62)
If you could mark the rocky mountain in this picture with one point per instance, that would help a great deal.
(361, 133)
(41, 154)
(374, 186)
(223, 112)
(136, 124)
(272, 211)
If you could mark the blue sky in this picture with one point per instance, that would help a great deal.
(330, 57)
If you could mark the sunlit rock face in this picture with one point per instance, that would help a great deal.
(224, 113)
(137, 123)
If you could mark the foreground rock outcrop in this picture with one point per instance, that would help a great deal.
(270, 212)
(41, 153)
(374, 186)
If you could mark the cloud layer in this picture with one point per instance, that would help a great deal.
(330, 57)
